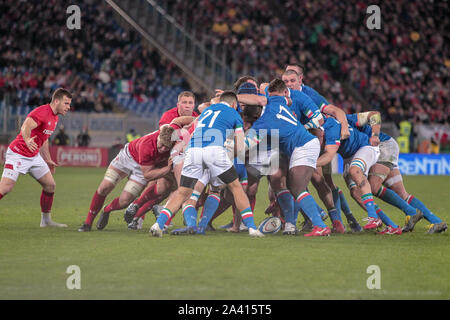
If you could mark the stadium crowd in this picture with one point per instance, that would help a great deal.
(400, 69)
(39, 54)
(250, 34)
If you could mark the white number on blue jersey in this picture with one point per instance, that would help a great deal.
(207, 114)
(290, 118)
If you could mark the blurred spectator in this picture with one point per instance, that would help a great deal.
(61, 139)
(131, 135)
(83, 138)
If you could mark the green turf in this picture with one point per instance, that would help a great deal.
(118, 263)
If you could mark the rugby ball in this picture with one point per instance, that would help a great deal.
(270, 225)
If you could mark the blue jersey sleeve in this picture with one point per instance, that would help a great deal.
(318, 99)
(332, 132)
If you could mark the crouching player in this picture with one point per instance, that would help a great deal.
(359, 156)
(142, 160)
(206, 151)
(385, 177)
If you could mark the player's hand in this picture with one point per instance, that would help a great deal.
(32, 146)
(345, 133)
(374, 141)
(218, 92)
(52, 165)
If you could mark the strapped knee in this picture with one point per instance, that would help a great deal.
(133, 188)
(112, 176)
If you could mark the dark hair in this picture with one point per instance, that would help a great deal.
(228, 97)
(297, 66)
(61, 93)
(242, 80)
(277, 85)
(251, 112)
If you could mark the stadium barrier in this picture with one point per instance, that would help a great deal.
(413, 164)
(73, 156)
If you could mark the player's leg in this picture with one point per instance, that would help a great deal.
(131, 190)
(48, 190)
(112, 177)
(189, 210)
(394, 182)
(284, 197)
(301, 168)
(6, 185)
(326, 196)
(211, 205)
(192, 171)
(339, 199)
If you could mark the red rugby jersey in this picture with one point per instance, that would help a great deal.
(46, 120)
(171, 114)
(145, 152)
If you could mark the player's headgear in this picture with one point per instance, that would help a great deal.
(247, 88)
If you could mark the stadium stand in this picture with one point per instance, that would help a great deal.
(103, 63)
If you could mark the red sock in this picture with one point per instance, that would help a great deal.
(147, 195)
(114, 205)
(96, 204)
(252, 203)
(46, 201)
(147, 206)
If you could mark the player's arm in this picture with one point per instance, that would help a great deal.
(373, 118)
(330, 151)
(45, 153)
(183, 121)
(262, 87)
(28, 125)
(239, 143)
(310, 110)
(252, 99)
(152, 173)
(340, 116)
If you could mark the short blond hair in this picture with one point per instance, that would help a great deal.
(186, 94)
(165, 135)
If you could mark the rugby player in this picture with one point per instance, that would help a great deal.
(29, 152)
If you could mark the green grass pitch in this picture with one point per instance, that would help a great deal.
(118, 263)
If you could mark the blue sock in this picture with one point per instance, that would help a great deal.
(385, 218)
(416, 203)
(309, 206)
(394, 199)
(321, 211)
(247, 218)
(190, 215)
(163, 217)
(333, 214)
(370, 205)
(286, 202)
(209, 208)
(337, 206)
(344, 204)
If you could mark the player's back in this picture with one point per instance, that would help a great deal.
(349, 146)
(214, 125)
(279, 120)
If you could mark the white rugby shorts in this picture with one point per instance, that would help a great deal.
(389, 153)
(306, 155)
(369, 156)
(125, 163)
(213, 158)
(16, 164)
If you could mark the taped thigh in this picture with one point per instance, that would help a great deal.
(112, 176)
(133, 188)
